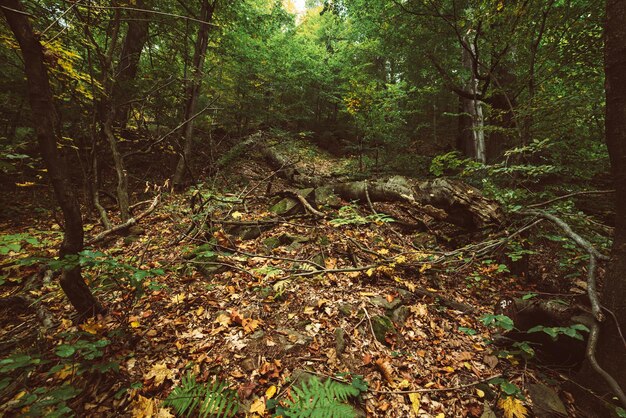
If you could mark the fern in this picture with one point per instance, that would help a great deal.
(322, 400)
(214, 399)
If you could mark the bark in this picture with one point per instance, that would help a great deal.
(48, 132)
(134, 42)
(614, 295)
(193, 91)
(473, 106)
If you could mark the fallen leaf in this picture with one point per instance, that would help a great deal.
(258, 406)
(512, 407)
(159, 372)
(271, 391)
(415, 402)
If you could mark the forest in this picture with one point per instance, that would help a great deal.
(313, 208)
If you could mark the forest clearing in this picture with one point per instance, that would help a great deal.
(340, 208)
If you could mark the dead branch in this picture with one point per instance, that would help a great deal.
(121, 227)
(448, 389)
(594, 255)
(556, 199)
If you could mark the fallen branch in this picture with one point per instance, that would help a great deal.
(132, 221)
(448, 389)
(556, 199)
(594, 255)
(594, 334)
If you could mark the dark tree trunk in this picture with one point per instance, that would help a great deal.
(134, 42)
(612, 353)
(47, 130)
(193, 91)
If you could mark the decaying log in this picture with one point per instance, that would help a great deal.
(443, 199)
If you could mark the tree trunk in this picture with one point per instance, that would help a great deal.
(193, 91)
(611, 351)
(474, 107)
(134, 42)
(48, 131)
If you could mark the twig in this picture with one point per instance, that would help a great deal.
(594, 334)
(154, 12)
(369, 319)
(593, 256)
(132, 221)
(448, 389)
(547, 202)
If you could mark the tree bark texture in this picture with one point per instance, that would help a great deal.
(193, 91)
(612, 353)
(134, 42)
(48, 131)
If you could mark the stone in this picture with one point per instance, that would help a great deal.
(340, 341)
(546, 402)
(382, 302)
(399, 315)
(382, 325)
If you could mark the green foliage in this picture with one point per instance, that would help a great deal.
(499, 321)
(205, 399)
(507, 387)
(15, 242)
(349, 215)
(554, 332)
(322, 400)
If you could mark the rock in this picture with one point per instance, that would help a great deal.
(289, 338)
(382, 302)
(340, 341)
(399, 315)
(271, 243)
(300, 377)
(248, 364)
(324, 196)
(346, 309)
(289, 206)
(546, 402)
(382, 325)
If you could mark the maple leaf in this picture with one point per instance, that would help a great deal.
(159, 372)
(258, 406)
(415, 402)
(513, 407)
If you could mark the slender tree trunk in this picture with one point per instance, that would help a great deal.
(48, 132)
(611, 351)
(474, 107)
(193, 91)
(134, 42)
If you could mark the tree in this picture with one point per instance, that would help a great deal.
(48, 133)
(614, 296)
(192, 91)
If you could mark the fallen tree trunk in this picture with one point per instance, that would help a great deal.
(442, 199)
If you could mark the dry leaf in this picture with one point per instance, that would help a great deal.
(415, 402)
(385, 370)
(159, 372)
(513, 407)
(258, 406)
(143, 407)
(271, 391)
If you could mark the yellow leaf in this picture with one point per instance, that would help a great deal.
(425, 266)
(440, 415)
(271, 391)
(258, 407)
(512, 407)
(134, 324)
(224, 320)
(199, 311)
(480, 393)
(236, 215)
(159, 372)
(370, 272)
(383, 251)
(415, 402)
(91, 326)
(179, 298)
(25, 184)
(143, 407)
(309, 310)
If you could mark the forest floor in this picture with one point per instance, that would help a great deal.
(267, 302)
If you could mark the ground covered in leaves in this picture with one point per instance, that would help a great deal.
(213, 284)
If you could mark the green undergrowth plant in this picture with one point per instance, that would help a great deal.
(317, 399)
(214, 399)
(349, 215)
(43, 384)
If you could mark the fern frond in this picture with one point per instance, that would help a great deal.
(321, 400)
(208, 399)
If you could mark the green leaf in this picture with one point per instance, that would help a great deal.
(65, 350)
